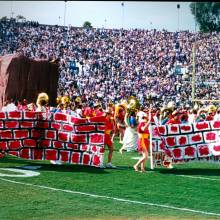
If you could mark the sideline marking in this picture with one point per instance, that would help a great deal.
(25, 173)
(113, 198)
(198, 177)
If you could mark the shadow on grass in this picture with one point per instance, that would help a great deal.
(51, 167)
(191, 171)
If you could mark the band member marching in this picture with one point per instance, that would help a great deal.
(109, 130)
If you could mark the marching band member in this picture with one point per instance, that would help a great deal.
(109, 130)
(119, 116)
(88, 111)
(98, 111)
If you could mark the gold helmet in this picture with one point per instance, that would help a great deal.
(65, 100)
(58, 99)
(42, 98)
(211, 109)
(78, 99)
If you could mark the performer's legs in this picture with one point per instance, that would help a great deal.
(142, 161)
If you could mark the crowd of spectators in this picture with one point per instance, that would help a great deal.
(113, 64)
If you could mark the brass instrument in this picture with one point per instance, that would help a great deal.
(133, 105)
(65, 100)
(78, 100)
(211, 109)
(58, 100)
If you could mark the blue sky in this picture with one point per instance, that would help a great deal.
(109, 14)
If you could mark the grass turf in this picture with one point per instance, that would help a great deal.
(160, 186)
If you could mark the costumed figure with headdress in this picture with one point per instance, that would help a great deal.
(119, 116)
(42, 102)
(78, 112)
(130, 135)
(211, 109)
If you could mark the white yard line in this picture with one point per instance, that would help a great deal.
(198, 177)
(112, 198)
(25, 173)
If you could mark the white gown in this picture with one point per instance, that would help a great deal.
(130, 139)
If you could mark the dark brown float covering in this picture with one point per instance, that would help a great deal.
(23, 78)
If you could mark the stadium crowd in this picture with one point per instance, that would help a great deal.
(113, 64)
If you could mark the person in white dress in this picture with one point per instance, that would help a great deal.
(131, 136)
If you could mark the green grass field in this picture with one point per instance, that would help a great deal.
(75, 192)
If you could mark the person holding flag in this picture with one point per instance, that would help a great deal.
(143, 141)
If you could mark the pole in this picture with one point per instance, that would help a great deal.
(178, 11)
(195, 17)
(194, 61)
(12, 13)
(122, 4)
(105, 23)
(193, 72)
(151, 149)
(64, 19)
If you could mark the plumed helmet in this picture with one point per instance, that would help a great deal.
(211, 108)
(42, 98)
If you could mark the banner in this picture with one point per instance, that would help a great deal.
(53, 136)
(186, 142)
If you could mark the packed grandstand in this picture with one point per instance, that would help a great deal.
(108, 65)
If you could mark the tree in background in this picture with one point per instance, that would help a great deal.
(20, 18)
(4, 18)
(87, 24)
(207, 15)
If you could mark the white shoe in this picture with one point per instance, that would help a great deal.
(170, 166)
(56, 162)
(102, 166)
(109, 165)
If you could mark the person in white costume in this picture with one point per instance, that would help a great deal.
(131, 136)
